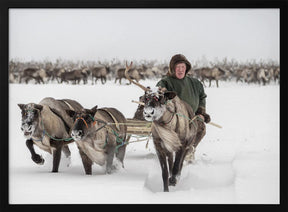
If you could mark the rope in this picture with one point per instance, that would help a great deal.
(58, 139)
(191, 120)
(181, 115)
(119, 139)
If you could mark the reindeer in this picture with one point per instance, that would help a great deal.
(261, 75)
(47, 126)
(100, 73)
(175, 129)
(133, 73)
(211, 74)
(75, 76)
(56, 74)
(99, 136)
(33, 73)
(276, 74)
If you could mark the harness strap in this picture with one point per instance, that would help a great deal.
(181, 115)
(118, 139)
(71, 108)
(44, 132)
(94, 121)
(163, 123)
(113, 117)
(81, 118)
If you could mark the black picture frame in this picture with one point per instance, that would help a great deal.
(4, 85)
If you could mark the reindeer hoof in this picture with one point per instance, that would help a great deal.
(38, 159)
(108, 171)
(172, 181)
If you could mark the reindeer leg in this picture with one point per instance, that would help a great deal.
(177, 166)
(164, 168)
(57, 156)
(109, 160)
(170, 163)
(163, 163)
(182, 161)
(201, 132)
(35, 157)
(190, 155)
(67, 153)
(86, 161)
(121, 153)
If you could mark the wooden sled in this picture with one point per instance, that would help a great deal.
(138, 127)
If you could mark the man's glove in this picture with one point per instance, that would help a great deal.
(202, 111)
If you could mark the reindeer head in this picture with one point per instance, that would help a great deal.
(154, 102)
(30, 118)
(83, 121)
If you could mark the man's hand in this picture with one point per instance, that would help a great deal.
(202, 113)
(207, 118)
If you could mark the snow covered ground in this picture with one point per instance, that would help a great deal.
(238, 164)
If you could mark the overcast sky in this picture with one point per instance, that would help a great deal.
(134, 34)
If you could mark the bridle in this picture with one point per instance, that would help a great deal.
(94, 122)
(81, 118)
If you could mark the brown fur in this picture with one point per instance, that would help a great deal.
(210, 74)
(49, 117)
(75, 76)
(100, 73)
(174, 129)
(178, 129)
(174, 132)
(133, 73)
(98, 144)
(33, 73)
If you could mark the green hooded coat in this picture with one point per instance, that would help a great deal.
(188, 89)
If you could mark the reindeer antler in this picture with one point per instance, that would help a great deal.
(136, 83)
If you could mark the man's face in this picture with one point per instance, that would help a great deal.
(180, 70)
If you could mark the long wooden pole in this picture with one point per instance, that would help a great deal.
(211, 123)
(214, 124)
(140, 103)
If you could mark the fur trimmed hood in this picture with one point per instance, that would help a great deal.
(177, 59)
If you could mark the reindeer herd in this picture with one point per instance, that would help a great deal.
(93, 73)
(76, 73)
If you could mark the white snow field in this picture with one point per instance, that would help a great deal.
(238, 164)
